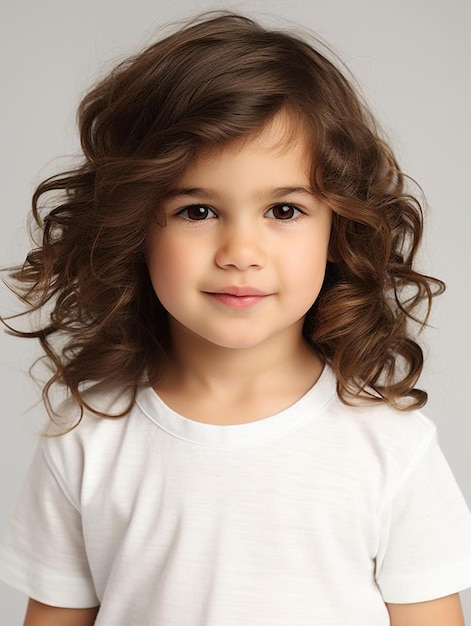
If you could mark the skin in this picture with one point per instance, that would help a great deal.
(39, 614)
(261, 228)
(442, 612)
(234, 353)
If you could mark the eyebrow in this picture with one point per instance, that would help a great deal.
(277, 192)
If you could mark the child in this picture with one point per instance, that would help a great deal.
(230, 280)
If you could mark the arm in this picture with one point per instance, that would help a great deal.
(39, 614)
(442, 612)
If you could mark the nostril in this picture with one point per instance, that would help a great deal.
(240, 257)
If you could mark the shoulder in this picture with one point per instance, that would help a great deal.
(378, 441)
(386, 426)
(83, 460)
(77, 432)
(383, 426)
(102, 403)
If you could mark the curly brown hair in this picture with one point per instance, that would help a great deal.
(218, 78)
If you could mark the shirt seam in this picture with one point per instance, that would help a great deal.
(417, 457)
(59, 479)
(245, 444)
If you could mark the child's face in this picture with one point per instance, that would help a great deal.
(242, 256)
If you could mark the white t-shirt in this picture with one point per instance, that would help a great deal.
(316, 515)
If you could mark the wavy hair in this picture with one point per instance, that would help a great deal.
(215, 79)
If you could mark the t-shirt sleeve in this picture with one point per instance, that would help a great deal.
(425, 533)
(43, 553)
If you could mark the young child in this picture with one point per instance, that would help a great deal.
(229, 278)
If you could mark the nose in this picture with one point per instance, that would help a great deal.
(240, 247)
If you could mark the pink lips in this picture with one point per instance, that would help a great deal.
(238, 297)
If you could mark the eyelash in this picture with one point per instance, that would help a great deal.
(181, 213)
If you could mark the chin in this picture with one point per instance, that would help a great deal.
(233, 342)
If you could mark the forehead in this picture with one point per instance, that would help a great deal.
(283, 136)
(281, 132)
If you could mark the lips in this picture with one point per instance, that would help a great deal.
(238, 298)
(240, 292)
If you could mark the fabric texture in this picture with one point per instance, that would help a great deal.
(317, 515)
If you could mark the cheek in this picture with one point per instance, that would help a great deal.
(171, 265)
(304, 273)
(307, 262)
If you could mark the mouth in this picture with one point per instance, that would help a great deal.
(238, 298)
(240, 292)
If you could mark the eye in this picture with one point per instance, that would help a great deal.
(197, 213)
(284, 212)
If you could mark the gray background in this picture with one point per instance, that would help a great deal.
(411, 58)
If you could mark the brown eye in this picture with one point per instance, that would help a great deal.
(283, 212)
(197, 212)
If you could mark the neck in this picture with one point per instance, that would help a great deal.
(213, 384)
(201, 365)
